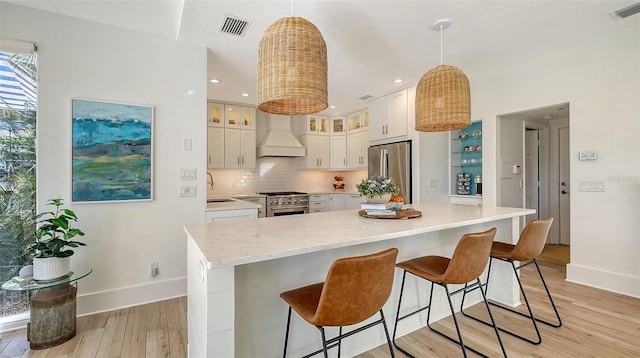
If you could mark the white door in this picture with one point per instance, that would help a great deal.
(565, 180)
(532, 178)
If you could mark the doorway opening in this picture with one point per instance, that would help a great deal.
(533, 165)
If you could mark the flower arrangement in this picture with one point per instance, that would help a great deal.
(377, 187)
(338, 178)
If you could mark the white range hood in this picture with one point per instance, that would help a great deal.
(279, 141)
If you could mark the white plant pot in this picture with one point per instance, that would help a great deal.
(380, 199)
(51, 268)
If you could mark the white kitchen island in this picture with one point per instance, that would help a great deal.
(237, 270)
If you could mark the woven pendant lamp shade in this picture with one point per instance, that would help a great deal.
(443, 100)
(292, 68)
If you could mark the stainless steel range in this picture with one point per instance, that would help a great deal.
(286, 203)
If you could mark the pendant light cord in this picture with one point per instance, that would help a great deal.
(440, 44)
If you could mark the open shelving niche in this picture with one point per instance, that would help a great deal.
(465, 157)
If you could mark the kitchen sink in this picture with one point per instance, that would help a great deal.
(222, 200)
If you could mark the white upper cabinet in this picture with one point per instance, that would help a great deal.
(316, 124)
(317, 155)
(215, 114)
(240, 149)
(337, 125)
(357, 121)
(357, 150)
(389, 116)
(338, 152)
(215, 148)
(240, 117)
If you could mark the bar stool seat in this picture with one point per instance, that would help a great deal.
(466, 265)
(354, 290)
(529, 246)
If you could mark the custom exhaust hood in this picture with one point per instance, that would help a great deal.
(279, 141)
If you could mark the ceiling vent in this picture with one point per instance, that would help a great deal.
(365, 97)
(234, 25)
(626, 12)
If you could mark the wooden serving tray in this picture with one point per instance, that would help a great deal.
(400, 214)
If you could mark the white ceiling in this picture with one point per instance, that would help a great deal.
(369, 43)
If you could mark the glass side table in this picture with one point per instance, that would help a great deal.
(53, 308)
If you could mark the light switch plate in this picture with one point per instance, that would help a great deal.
(588, 155)
(591, 185)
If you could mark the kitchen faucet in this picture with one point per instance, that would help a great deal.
(210, 182)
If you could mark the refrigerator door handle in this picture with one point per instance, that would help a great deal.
(384, 163)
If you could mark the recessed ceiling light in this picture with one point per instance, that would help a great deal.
(245, 95)
(332, 107)
(547, 116)
(397, 80)
(214, 80)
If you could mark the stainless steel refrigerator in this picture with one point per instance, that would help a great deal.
(393, 161)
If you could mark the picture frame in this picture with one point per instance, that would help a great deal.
(111, 152)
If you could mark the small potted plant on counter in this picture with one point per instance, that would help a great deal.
(377, 189)
(51, 250)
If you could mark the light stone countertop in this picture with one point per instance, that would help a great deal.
(235, 243)
(233, 204)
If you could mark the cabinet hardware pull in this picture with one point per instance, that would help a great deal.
(243, 159)
(209, 159)
(238, 160)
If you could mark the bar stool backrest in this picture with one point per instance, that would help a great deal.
(470, 257)
(532, 240)
(356, 288)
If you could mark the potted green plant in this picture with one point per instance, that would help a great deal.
(53, 244)
(377, 189)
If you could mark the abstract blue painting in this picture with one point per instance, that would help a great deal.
(112, 151)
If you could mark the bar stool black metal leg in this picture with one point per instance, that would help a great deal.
(493, 322)
(286, 335)
(556, 325)
(386, 333)
(324, 343)
(398, 318)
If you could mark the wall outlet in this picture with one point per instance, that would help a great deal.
(153, 268)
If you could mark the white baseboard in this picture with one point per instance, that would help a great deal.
(606, 280)
(124, 297)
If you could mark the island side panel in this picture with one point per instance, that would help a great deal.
(211, 306)
(261, 315)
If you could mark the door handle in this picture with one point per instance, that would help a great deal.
(564, 183)
(564, 192)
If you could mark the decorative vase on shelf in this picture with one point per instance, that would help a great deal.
(381, 199)
(339, 185)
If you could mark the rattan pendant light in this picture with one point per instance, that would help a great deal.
(443, 100)
(292, 68)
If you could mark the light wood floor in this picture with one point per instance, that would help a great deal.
(557, 254)
(153, 330)
(596, 324)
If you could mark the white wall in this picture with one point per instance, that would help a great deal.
(80, 59)
(600, 78)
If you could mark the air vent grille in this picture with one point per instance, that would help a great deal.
(234, 25)
(626, 12)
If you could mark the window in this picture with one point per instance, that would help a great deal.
(18, 100)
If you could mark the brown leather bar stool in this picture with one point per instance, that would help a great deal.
(529, 246)
(354, 290)
(467, 264)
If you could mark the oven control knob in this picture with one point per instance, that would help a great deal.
(295, 201)
(289, 201)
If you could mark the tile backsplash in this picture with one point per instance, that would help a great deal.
(279, 174)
